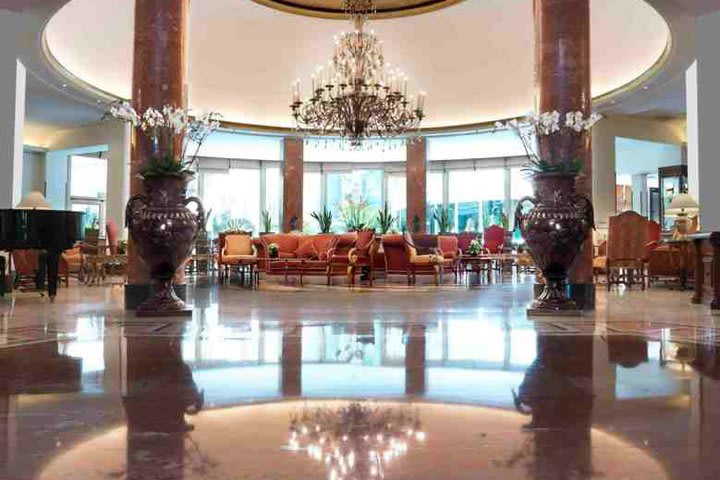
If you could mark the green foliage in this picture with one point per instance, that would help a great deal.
(539, 166)
(273, 250)
(165, 167)
(385, 219)
(324, 219)
(443, 219)
(266, 221)
(356, 216)
(416, 224)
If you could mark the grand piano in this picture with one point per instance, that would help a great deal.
(51, 231)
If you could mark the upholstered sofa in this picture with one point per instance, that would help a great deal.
(306, 254)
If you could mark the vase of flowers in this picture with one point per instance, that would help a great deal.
(161, 226)
(474, 248)
(560, 219)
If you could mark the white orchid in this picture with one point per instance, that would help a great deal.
(546, 124)
(165, 124)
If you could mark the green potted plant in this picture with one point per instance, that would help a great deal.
(273, 250)
(385, 219)
(324, 219)
(266, 222)
(443, 219)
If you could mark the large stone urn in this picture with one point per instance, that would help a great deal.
(555, 229)
(164, 231)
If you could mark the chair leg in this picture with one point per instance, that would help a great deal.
(371, 273)
(607, 279)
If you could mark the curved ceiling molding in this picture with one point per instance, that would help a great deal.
(474, 58)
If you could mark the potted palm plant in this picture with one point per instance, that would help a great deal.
(160, 224)
(441, 215)
(324, 219)
(266, 222)
(385, 219)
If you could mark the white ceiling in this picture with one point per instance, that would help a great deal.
(474, 59)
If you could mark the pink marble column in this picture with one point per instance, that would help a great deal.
(416, 178)
(562, 77)
(159, 78)
(293, 184)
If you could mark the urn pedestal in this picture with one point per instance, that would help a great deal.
(555, 229)
(164, 231)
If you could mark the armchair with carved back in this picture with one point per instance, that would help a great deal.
(627, 249)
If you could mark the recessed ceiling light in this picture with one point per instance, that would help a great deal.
(64, 85)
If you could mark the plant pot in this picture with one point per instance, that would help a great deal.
(164, 230)
(555, 230)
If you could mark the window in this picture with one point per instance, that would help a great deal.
(273, 196)
(434, 199)
(397, 199)
(361, 189)
(312, 200)
(477, 198)
(88, 189)
(489, 144)
(233, 200)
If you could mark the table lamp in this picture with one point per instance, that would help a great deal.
(682, 206)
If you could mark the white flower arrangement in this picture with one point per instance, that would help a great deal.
(166, 124)
(572, 126)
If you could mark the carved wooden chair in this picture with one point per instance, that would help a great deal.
(627, 250)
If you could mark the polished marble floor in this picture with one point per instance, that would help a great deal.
(424, 384)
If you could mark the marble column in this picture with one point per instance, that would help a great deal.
(416, 177)
(293, 170)
(159, 78)
(562, 76)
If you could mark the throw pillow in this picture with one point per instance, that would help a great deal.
(307, 249)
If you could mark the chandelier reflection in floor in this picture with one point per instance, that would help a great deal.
(355, 442)
(357, 97)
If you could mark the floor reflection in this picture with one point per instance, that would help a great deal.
(498, 397)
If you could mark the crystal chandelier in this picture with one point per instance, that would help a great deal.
(357, 97)
(355, 442)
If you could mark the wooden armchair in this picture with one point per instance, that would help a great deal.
(361, 255)
(235, 248)
(627, 249)
(72, 264)
(423, 256)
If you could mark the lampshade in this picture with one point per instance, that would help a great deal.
(683, 203)
(33, 201)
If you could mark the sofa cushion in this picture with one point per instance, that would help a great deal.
(238, 245)
(307, 249)
(286, 242)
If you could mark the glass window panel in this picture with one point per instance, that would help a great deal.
(359, 187)
(92, 211)
(476, 145)
(476, 198)
(312, 200)
(434, 198)
(397, 199)
(520, 184)
(273, 195)
(88, 177)
(234, 199)
(241, 146)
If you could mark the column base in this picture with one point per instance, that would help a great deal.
(582, 293)
(135, 294)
